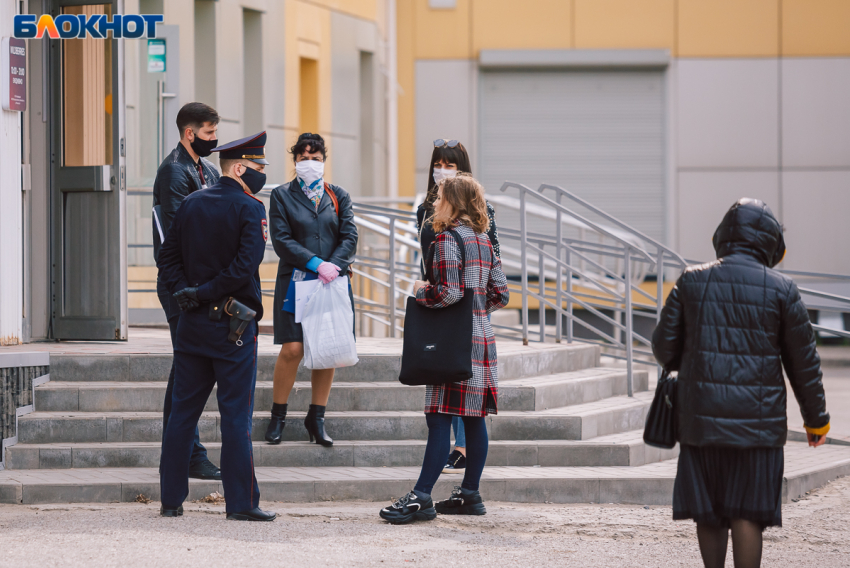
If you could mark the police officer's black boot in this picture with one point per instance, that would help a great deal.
(315, 424)
(277, 423)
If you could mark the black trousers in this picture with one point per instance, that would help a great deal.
(199, 453)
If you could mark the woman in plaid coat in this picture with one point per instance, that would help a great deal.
(460, 207)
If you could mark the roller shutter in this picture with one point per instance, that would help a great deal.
(598, 133)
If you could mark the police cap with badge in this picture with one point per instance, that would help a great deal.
(248, 148)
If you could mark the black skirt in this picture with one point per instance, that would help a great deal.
(286, 329)
(715, 485)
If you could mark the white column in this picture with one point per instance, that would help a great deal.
(11, 253)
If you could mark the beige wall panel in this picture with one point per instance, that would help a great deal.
(535, 24)
(183, 14)
(443, 34)
(704, 197)
(406, 34)
(727, 113)
(815, 27)
(625, 24)
(816, 205)
(816, 112)
(728, 28)
(441, 112)
(229, 61)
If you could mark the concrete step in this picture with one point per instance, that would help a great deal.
(376, 364)
(534, 393)
(626, 449)
(650, 484)
(580, 422)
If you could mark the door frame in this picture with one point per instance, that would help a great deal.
(81, 327)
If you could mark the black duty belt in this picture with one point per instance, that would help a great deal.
(240, 316)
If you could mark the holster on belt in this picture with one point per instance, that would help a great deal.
(240, 316)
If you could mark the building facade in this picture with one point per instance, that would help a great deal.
(78, 165)
(662, 112)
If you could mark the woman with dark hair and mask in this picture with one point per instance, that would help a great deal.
(448, 158)
(729, 327)
(312, 230)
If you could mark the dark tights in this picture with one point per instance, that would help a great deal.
(746, 544)
(439, 444)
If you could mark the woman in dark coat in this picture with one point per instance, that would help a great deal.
(728, 327)
(312, 229)
(459, 208)
(447, 160)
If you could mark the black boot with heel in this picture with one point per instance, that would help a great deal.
(277, 423)
(315, 424)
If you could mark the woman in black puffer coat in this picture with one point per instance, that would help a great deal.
(728, 327)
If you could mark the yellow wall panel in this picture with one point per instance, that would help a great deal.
(815, 27)
(307, 24)
(441, 34)
(728, 28)
(406, 36)
(625, 24)
(366, 9)
(532, 24)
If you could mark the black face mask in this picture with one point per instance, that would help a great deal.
(203, 148)
(253, 179)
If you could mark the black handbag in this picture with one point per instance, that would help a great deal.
(661, 428)
(438, 341)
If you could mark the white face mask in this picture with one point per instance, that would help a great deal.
(441, 173)
(310, 170)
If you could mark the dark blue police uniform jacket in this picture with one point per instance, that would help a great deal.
(216, 243)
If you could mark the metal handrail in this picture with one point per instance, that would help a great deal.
(602, 271)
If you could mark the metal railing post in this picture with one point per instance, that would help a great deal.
(541, 290)
(559, 324)
(629, 319)
(523, 241)
(569, 297)
(392, 289)
(660, 281)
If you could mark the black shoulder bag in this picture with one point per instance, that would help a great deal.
(661, 428)
(438, 341)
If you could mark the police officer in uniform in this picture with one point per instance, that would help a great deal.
(210, 263)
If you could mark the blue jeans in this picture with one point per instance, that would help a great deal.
(439, 442)
(460, 435)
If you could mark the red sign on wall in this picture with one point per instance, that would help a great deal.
(14, 71)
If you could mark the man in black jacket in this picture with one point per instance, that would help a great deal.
(184, 171)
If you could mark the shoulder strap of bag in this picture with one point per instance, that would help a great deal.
(429, 271)
(332, 195)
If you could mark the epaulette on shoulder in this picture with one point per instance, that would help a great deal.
(253, 197)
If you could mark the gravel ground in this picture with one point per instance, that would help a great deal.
(816, 533)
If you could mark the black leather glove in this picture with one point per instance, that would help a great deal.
(187, 299)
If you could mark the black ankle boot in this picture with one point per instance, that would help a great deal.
(315, 424)
(276, 424)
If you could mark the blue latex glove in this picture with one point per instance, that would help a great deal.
(313, 264)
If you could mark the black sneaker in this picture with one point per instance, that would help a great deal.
(462, 502)
(408, 509)
(456, 463)
(205, 470)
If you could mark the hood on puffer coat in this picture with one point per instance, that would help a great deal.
(750, 227)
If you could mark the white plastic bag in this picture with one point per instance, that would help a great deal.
(328, 324)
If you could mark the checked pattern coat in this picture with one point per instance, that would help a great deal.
(483, 274)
